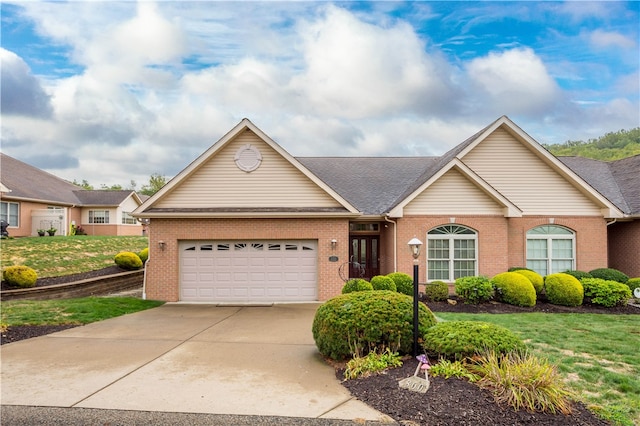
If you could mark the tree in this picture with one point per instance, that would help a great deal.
(156, 181)
(84, 184)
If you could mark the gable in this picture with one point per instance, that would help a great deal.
(220, 183)
(453, 193)
(513, 169)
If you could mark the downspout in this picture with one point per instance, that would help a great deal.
(612, 222)
(144, 274)
(395, 242)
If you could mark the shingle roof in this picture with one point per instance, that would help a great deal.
(618, 181)
(28, 182)
(371, 184)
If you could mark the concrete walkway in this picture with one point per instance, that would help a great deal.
(256, 361)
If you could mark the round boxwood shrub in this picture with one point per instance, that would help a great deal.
(536, 279)
(633, 283)
(382, 282)
(19, 276)
(606, 292)
(360, 322)
(563, 289)
(515, 289)
(610, 274)
(579, 274)
(404, 282)
(128, 260)
(457, 340)
(476, 289)
(436, 291)
(519, 268)
(144, 255)
(356, 284)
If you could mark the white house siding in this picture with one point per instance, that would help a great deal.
(453, 193)
(527, 181)
(220, 183)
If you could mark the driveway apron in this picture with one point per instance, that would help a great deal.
(242, 360)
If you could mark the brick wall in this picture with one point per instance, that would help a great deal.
(163, 278)
(624, 247)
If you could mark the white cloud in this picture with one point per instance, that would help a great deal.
(514, 81)
(605, 39)
(22, 93)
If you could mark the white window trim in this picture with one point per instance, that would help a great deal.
(550, 238)
(451, 260)
(9, 203)
(105, 215)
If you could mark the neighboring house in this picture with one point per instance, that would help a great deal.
(247, 222)
(32, 199)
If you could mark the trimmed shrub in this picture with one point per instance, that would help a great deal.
(19, 276)
(356, 284)
(563, 289)
(382, 282)
(144, 255)
(579, 274)
(633, 283)
(535, 278)
(456, 340)
(476, 289)
(606, 292)
(610, 274)
(361, 322)
(436, 291)
(404, 282)
(519, 268)
(515, 289)
(128, 260)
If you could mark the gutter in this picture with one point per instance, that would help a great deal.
(395, 242)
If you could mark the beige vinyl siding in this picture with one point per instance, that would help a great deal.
(453, 193)
(527, 181)
(219, 182)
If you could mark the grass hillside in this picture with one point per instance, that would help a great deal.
(612, 146)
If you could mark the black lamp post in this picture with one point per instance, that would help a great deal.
(415, 245)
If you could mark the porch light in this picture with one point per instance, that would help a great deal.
(415, 245)
(334, 242)
(162, 245)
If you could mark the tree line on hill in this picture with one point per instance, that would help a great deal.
(612, 146)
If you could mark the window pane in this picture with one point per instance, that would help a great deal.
(438, 270)
(438, 249)
(540, 266)
(536, 249)
(464, 249)
(562, 249)
(561, 265)
(463, 268)
(9, 213)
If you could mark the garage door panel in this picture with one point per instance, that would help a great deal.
(247, 271)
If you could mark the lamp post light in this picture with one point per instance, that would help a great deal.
(415, 245)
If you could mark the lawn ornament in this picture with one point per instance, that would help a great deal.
(416, 383)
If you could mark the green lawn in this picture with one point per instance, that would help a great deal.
(65, 255)
(70, 311)
(598, 355)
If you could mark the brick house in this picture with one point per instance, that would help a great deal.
(32, 199)
(248, 222)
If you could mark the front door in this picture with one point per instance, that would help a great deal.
(364, 256)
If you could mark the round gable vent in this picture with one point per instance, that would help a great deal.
(248, 158)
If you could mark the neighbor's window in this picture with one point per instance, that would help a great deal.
(98, 216)
(127, 219)
(10, 212)
(451, 253)
(550, 249)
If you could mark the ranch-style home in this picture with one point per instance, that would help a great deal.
(248, 222)
(32, 199)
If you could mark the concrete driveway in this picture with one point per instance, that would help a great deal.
(184, 358)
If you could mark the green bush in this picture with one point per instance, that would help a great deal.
(404, 282)
(515, 289)
(373, 362)
(356, 284)
(360, 322)
(436, 291)
(447, 369)
(579, 274)
(144, 255)
(519, 268)
(476, 289)
(19, 276)
(128, 260)
(606, 292)
(563, 289)
(535, 278)
(382, 282)
(457, 340)
(633, 283)
(610, 274)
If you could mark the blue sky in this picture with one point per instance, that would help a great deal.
(115, 91)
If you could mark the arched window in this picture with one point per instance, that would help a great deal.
(451, 253)
(550, 249)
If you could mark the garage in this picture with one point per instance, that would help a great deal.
(248, 271)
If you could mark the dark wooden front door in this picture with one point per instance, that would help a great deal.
(364, 256)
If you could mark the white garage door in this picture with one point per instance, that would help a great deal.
(248, 271)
